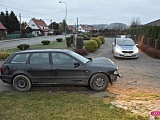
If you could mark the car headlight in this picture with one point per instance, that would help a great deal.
(118, 50)
(136, 50)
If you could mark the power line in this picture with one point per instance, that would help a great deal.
(22, 9)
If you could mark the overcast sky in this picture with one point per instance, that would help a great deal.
(87, 11)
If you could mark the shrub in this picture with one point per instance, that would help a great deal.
(4, 54)
(97, 40)
(68, 41)
(102, 39)
(81, 51)
(72, 39)
(23, 46)
(86, 37)
(45, 42)
(59, 39)
(91, 45)
(79, 42)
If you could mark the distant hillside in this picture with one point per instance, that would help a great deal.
(111, 26)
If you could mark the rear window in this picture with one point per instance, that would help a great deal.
(20, 58)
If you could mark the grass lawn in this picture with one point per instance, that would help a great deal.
(52, 45)
(59, 106)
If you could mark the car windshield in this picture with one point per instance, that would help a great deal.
(125, 42)
(79, 57)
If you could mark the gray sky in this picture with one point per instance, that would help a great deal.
(87, 11)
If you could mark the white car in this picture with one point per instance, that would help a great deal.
(125, 48)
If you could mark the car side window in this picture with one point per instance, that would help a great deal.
(20, 58)
(39, 58)
(62, 59)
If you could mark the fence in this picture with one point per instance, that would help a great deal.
(16, 36)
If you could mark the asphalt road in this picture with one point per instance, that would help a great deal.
(137, 74)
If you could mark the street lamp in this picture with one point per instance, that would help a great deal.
(65, 18)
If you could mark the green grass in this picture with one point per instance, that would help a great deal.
(52, 45)
(59, 106)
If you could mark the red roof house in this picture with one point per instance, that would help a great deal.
(38, 26)
(2, 27)
(2, 31)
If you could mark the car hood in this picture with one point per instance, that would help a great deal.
(103, 62)
(129, 47)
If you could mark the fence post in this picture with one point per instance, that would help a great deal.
(156, 44)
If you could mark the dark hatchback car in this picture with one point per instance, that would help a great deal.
(56, 66)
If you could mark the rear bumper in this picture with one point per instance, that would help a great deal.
(6, 79)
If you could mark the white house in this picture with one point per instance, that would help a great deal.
(85, 28)
(39, 27)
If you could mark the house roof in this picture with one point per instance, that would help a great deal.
(2, 27)
(90, 28)
(84, 27)
(71, 27)
(154, 23)
(40, 23)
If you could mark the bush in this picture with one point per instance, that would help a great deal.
(79, 42)
(59, 39)
(68, 41)
(102, 39)
(45, 42)
(4, 54)
(23, 46)
(97, 40)
(86, 37)
(91, 45)
(81, 51)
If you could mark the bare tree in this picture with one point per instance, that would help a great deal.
(135, 22)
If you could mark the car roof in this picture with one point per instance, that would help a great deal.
(45, 50)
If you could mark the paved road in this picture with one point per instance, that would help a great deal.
(35, 40)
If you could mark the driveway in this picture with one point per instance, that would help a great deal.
(137, 74)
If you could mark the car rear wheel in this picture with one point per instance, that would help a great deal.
(22, 83)
(99, 82)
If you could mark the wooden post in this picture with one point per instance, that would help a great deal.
(156, 44)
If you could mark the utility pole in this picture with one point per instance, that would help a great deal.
(20, 24)
(77, 25)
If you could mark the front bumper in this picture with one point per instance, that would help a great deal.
(115, 76)
(126, 55)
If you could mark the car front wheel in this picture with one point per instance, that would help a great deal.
(22, 83)
(99, 82)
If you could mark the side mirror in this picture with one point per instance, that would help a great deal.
(137, 45)
(113, 43)
(76, 64)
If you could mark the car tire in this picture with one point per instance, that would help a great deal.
(99, 82)
(22, 83)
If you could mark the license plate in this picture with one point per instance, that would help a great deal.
(127, 54)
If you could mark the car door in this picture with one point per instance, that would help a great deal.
(39, 68)
(67, 69)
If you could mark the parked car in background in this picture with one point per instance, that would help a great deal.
(123, 36)
(124, 48)
(56, 66)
